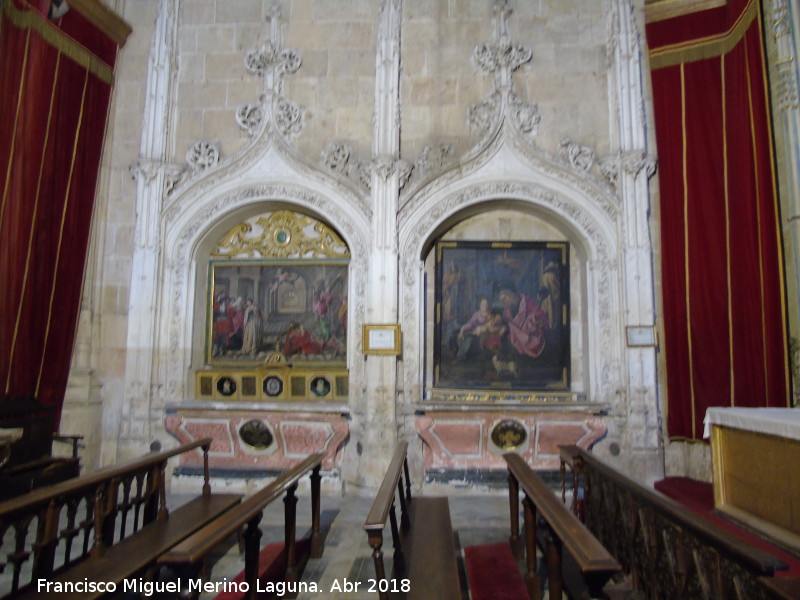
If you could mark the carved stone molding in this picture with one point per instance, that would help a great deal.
(575, 155)
(250, 116)
(288, 117)
(340, 159)
(202, 155)
(147, 170)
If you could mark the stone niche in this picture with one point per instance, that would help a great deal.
(464, 433)
(270, 343)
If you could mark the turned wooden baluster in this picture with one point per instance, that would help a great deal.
(125, 506)
(46, 541)
(20, 555)
(138, 500)
(206, 484)
(554, 554)
(290, 524)
(163, 512)
(317, 544)
(405, 521)
(532, 581)
(397, 556)
(375, 539)
(513, 507)
(252, 547)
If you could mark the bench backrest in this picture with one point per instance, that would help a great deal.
(193, 550)
(669, 551)
(564, 531)
(84, 515)
(383, 509)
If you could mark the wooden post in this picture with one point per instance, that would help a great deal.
(163, 512)
(532, 581)
(405, 521)
(513, 505)
(408, 480)
(317, 545)
(554, 565)
(290, 523)
(252, 548)
(399, 558)
(206, 484)
(375, 542)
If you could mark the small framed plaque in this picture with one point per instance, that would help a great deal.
(640, 335)
(381, 339)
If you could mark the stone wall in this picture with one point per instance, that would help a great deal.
(183, 76)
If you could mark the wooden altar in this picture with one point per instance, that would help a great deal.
(755, 454)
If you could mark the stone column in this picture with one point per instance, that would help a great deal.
(380, 424)
(131, 434)
(640, 423)
(783, 40)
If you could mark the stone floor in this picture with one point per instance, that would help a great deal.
(476, 519)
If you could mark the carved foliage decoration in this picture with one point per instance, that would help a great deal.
(202, 155)
(339, 158)
(282, 234)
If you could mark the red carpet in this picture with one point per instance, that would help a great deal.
(493, 573)
(271, 566)
(698, 496)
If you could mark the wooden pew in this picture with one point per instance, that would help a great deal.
(668, 551)
(563, 533)
(192, 551)
(28, 462)
(106, 526)
(425, 565)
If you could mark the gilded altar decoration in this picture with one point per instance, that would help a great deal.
(277, 295)
(281, 234)
(509, 434)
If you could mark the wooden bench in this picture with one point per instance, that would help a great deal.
(424, 549)
(193, 551)
(591, 565)
(668, 551)
(107, 526)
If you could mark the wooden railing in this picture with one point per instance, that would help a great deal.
(564, 532)
(193, 550)
(81, 517)
(669, 551)
(384, 507)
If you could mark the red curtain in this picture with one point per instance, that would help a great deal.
(722, 271)
(55, 85)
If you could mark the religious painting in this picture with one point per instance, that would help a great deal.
(277, 311)
(502, 316)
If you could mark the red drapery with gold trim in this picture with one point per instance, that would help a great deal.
(724, 303)
(55, 85)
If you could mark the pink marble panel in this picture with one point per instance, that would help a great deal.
(454, 440)
(296, 435)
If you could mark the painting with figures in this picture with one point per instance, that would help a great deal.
(267, 310)
(502, 316)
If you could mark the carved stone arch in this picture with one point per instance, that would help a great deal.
(590, 228)
(189, 234)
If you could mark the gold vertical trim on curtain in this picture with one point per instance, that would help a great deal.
(726, 189)
(16, 123)
(684, 150)
(775, 211)
(34, 220)
(754, 149)
(61, 228)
